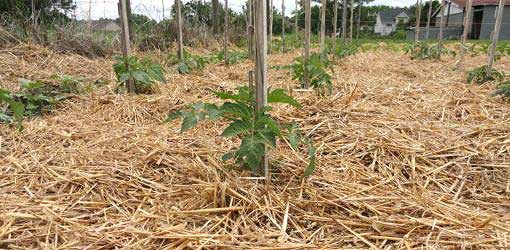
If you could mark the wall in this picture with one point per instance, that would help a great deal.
(454, 20)
(489, 18)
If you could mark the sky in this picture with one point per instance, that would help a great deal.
(154, 8)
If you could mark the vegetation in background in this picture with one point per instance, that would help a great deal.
(233, 57)
(479, 75)
(257, 130)
(190, 62)
(343, 50)
(144, 73)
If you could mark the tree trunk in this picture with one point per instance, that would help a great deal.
(335, 21)
(323, 28)
(344, 20)
(465, 32)
(429, 15)
(495, 36)
(306, 50)
(418, 21)
(225, 39)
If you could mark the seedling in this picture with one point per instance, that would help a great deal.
(10, 109)
(344, 50)
(480, 75)
(144, 73)
(190, 62)
(257, 129)
(319, 78)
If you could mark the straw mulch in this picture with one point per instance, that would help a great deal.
(409, 157)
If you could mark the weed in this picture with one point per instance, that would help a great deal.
(10, 109)
(344, 50)
(480, 75)
(144, 73)
(256, 129)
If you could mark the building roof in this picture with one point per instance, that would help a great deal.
(462, 3)
(388, 16)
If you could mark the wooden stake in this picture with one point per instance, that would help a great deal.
(344, 20)
(130, 84)
(418, 21)
(323, 28)
(34, 22)
(284, 49)
(441, 26)
(360, 6)
(180, 50)
(225, 39)
(306, 49)
(335, 20)
(249, 29)
(351, 22)
(463, 40)
(270, 35)
(495, 36)
(429, 16)
(261, 66)
(296, 24)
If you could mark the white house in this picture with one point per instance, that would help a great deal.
(388, 20)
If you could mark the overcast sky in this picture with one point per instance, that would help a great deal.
(154, 8)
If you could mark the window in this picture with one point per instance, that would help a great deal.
(389, 25)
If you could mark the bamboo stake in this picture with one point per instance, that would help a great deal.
(130, 84)
(261, 66)
(306, 50)
(344, 20)
(441, 26)
(248, 27)
(429, 16)
(418, 20)
(467, 17)
(335, 20)
(351, 22)
(225, 39)
(323, 28)
(495, 36)
(284, 49)
(180, 51)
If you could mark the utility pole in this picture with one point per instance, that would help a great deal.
(418, 21)
(467, 17)
(335, 20)
(284, 49)
(429, 16)
(225, 40)
(130, 84)
(495, 36)
(344, 20)
(323, 28)
(180, 49)
(306, 53)
(261, 67)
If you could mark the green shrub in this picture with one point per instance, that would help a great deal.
(233, 57)
(257, 130)
(190, 62)
(144, 73)
(480, 75)
(343, 50)
(10, 109)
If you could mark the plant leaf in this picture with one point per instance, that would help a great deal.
(279, 96)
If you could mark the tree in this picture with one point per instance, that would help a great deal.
(46, 9)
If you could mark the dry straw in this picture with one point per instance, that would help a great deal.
(409, 158)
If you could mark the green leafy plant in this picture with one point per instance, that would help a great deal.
(319, 78)
(426, 51)
(10, 109)
(480, 75)
(343, 50)
(190, 62)
(503, 90)
(71, 84)
(144, 73)
(257, 129)
(233, 57)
